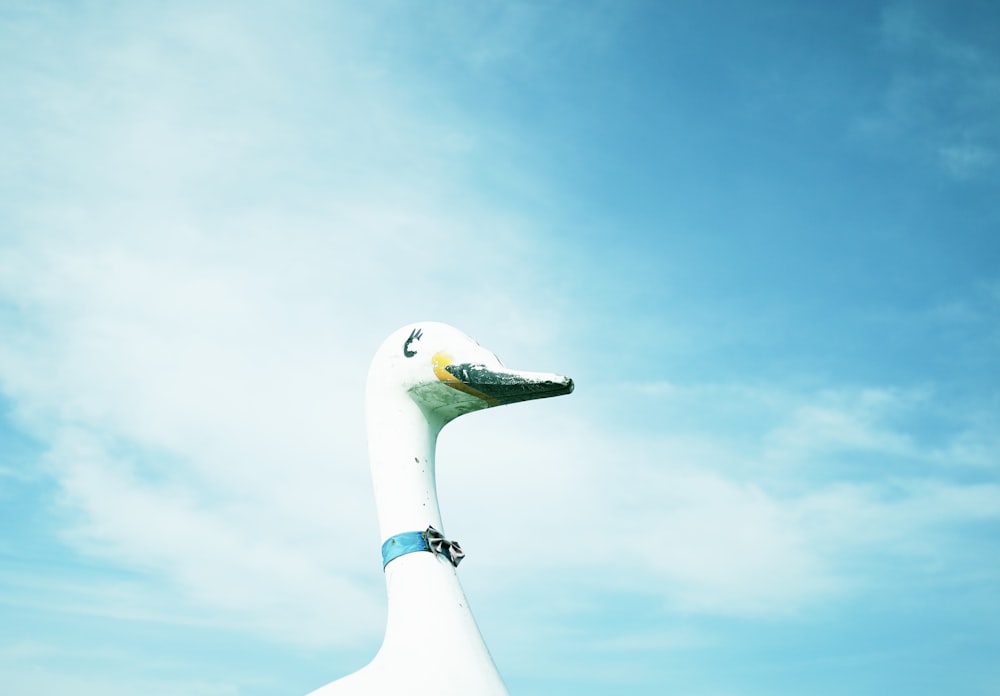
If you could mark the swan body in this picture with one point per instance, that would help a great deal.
(423, 376)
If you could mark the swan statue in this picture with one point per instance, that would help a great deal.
(422, 377)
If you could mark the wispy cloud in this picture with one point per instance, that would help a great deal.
(966, 161)
(772, 522)
(941, 97)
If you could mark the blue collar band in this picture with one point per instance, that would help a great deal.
(428, 540)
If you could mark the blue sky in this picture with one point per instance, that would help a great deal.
(761, 237)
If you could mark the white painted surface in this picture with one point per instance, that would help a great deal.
(432, 645)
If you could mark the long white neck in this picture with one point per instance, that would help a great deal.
(401, 444)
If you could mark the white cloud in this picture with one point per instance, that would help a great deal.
(216, 550)
(39, 680)
(770, 523)
(838, 422)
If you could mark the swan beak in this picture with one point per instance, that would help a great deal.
(498, 385)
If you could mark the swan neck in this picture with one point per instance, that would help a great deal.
(401, 446)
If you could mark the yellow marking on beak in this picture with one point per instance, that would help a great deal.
(441, 360)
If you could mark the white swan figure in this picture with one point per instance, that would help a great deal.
(423, 376)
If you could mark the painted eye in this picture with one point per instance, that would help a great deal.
(415, 335)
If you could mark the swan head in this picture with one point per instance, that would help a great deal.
(447, 374)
